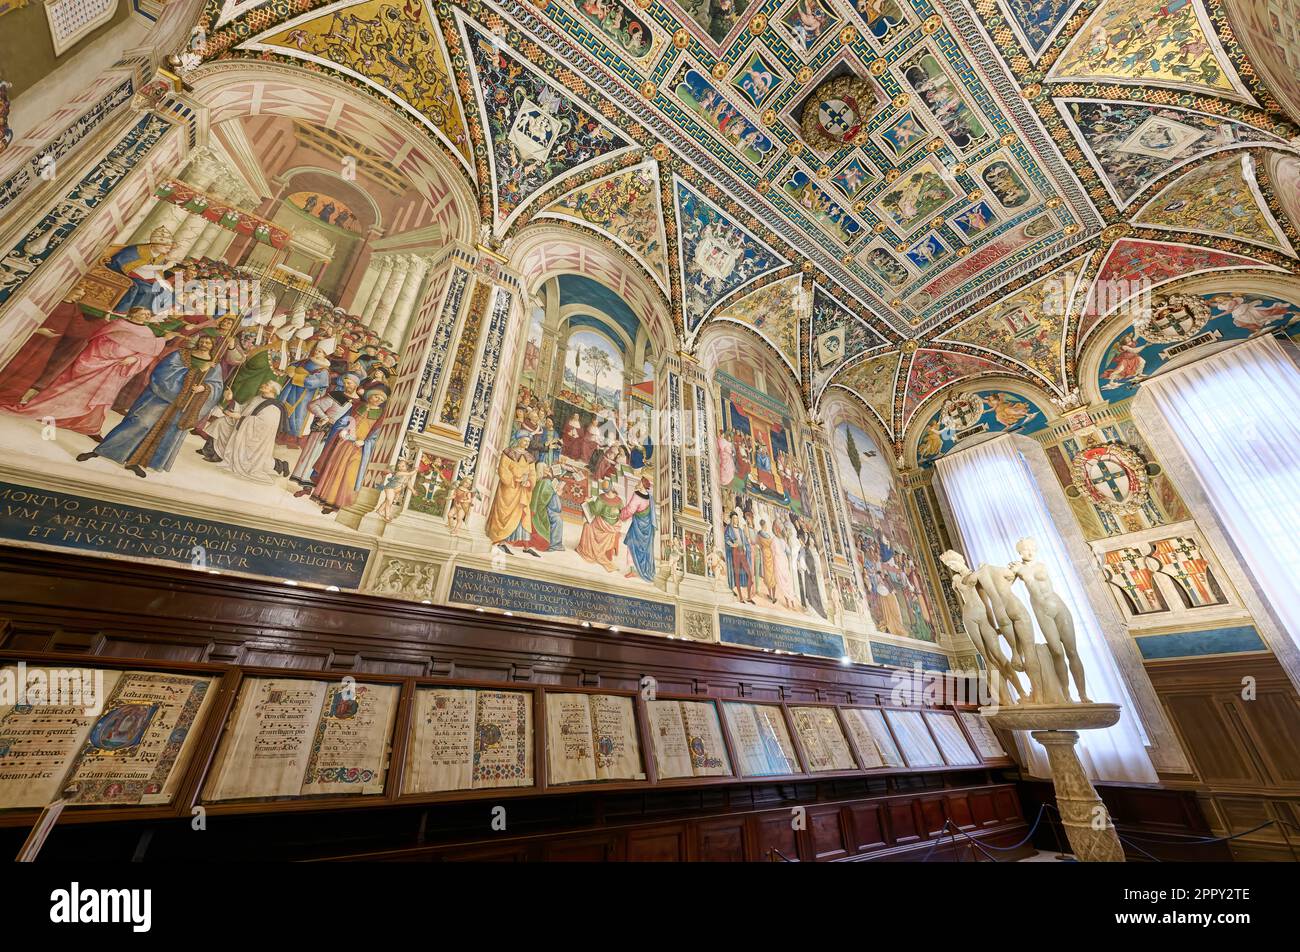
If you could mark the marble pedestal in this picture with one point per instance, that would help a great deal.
(1087, 823)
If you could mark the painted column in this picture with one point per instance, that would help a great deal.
(407, 301)
(386, 300)
(200, 173)
(360, 280)
(383, 270)
(365, 288)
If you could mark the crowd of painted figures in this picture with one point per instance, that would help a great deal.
(243, 384)
(596, 464)
(769, 542)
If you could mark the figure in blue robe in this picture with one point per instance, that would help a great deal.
(308, 379)
(640, 538)
(143, 292)
(153, 430)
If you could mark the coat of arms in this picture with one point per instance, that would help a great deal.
(1171, 318)
(536, 128)
(717, 252)
(961, 412)
(1112, 477)
(836, 114)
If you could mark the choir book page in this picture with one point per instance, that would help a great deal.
(349, 752)
(751, 755)
(469, 739)
(919, 749)
(569, 754)
(884, 739)
(668, 739)
(39, 740)
(266, 743)
(614, 740)
(952, 742)
(441, 752)
(986, 741)
(823, 741)
(137, 750)
(704, 737)
(763, 746)
(503, 739)
(863, 742)
(776, 739)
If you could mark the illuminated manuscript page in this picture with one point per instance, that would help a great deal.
(918, 746)
(137, 750)
(704, 735)
(952, 742)
(569, 754)
(884, 739)
(613, 738)
(747, 735)
(776, 740)
(38, 742)
(267, 741)
(863, 741)
(823, 741)
(503, 739)
(350, 750)
(441, 755)
(986, 741)
(668, 739)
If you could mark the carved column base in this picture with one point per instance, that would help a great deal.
(1056, 726)
(1087, 823)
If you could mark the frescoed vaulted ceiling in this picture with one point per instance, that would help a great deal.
(895, 195)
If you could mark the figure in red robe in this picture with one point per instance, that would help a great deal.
(81, 395)
(48, 352)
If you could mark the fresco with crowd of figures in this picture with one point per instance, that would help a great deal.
(893, 573)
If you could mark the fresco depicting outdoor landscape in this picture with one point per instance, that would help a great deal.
(574, 486)
(559, 311)
(897, 590)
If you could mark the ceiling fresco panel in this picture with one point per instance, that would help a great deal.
(539, 133)
(1152, 43)
(1219, 199)
(921, 171)
(624, 206)
(1133, 144)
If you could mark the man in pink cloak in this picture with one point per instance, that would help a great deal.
(80, 396)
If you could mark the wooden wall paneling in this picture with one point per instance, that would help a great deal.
(905, 823)
(829, 833)
(54, 604)
(869, 826)
(599, 848)
(724, 840)
(774, 829)
(666, 844)
(983, 810)
(958, 809)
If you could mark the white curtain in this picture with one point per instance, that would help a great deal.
(1236, 415)
(996, 502)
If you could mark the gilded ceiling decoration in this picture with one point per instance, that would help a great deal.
(896, 195)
